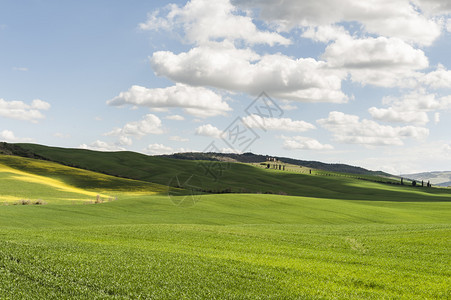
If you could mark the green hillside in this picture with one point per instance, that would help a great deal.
(257, 158)
(338, 237)
(233, 177)
(25, 179)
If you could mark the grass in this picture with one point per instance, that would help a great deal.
(23, 179)
(228, 247)
(345, 238)
(235, 177)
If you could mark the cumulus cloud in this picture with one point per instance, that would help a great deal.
(434, 7)
(124, 141)
(283, 124)
(205, 20)
(222, 65)
(303, 143)
(21, 111)
(351, 130)
(411, 108)
(175, 117)
(9, 136)
(381, 61)
(101, 146)
(197, 101)
(393, 115)
(374, 53)
(158, 149)
(150, 124)
(325, 33)
(400, 19)
(440, 78)
(208, 130)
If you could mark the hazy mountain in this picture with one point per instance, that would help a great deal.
(436, 178)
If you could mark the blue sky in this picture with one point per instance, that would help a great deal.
(366, 83)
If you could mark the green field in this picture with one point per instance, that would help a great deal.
(235, 177)
(23, 179)
(346, 239)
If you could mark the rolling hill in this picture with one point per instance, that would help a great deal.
(40, 181)
(196, 176)
(256, 158)
(341, 236)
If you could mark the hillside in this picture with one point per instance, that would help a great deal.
(40, 181)
(343, 236)
(196, 176)
(436, 178)
(256, 158)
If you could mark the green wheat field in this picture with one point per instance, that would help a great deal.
(76, 232)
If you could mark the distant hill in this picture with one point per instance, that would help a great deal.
(201, 176)
(26, 150)
(436, 178)
(256, 158)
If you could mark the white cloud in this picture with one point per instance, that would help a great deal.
(222, 65)
(197, 101)
(205, 20)
(175, 118)
(393, 115)
(8, 136)
(325, 33)
(288, 106)
(417, 100)
(178, 139)
(381, 61)
(21, 111)
(448, 25)
(124, 141)
(158, 149)
(434, 7)
(208, 130)
(40, 105)
(303, 143)
(351, 130)
(374, 53)
(284, 124)
(150, 124)
(411, 108)
(385, 17)
(437, 118)
(440, 78)
(101, 146)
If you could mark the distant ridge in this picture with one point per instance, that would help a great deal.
(249, 157)
(440, 178)
(24, 150)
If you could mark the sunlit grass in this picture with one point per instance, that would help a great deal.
(29, 179)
